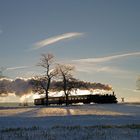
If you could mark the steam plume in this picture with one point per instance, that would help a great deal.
(21, 87)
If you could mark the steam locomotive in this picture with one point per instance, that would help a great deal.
(85, 99)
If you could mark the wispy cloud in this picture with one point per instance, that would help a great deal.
(98, 65)
(20, 67)
(99, 69)
(132, 90)
(55, 39)
(107, 58)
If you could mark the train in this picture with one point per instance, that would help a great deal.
(74, 99)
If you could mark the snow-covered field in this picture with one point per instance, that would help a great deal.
(85, 122)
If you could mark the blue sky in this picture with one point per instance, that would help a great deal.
(73, 31)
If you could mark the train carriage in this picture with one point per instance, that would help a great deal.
(85, 99)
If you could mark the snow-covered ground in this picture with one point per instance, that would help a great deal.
(95, 121)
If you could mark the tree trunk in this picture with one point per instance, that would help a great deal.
(67, 100)
(47, 103)
(65, 90)
(47, 91)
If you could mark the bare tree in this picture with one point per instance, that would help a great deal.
(65, 73)
(42, 83)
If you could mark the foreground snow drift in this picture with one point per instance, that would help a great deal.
(128, 132)
(92, 109)
(87, 122)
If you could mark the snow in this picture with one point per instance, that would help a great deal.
(99, 121)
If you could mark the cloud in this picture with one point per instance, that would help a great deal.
(97, 65)
(20, 67)
(3, 69)
(99, 69)
(107, 58)
(55, 39)
(109, 69)
(132, 90)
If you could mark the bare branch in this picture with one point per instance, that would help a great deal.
(65, 70)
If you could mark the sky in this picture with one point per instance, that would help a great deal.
(100, 37)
